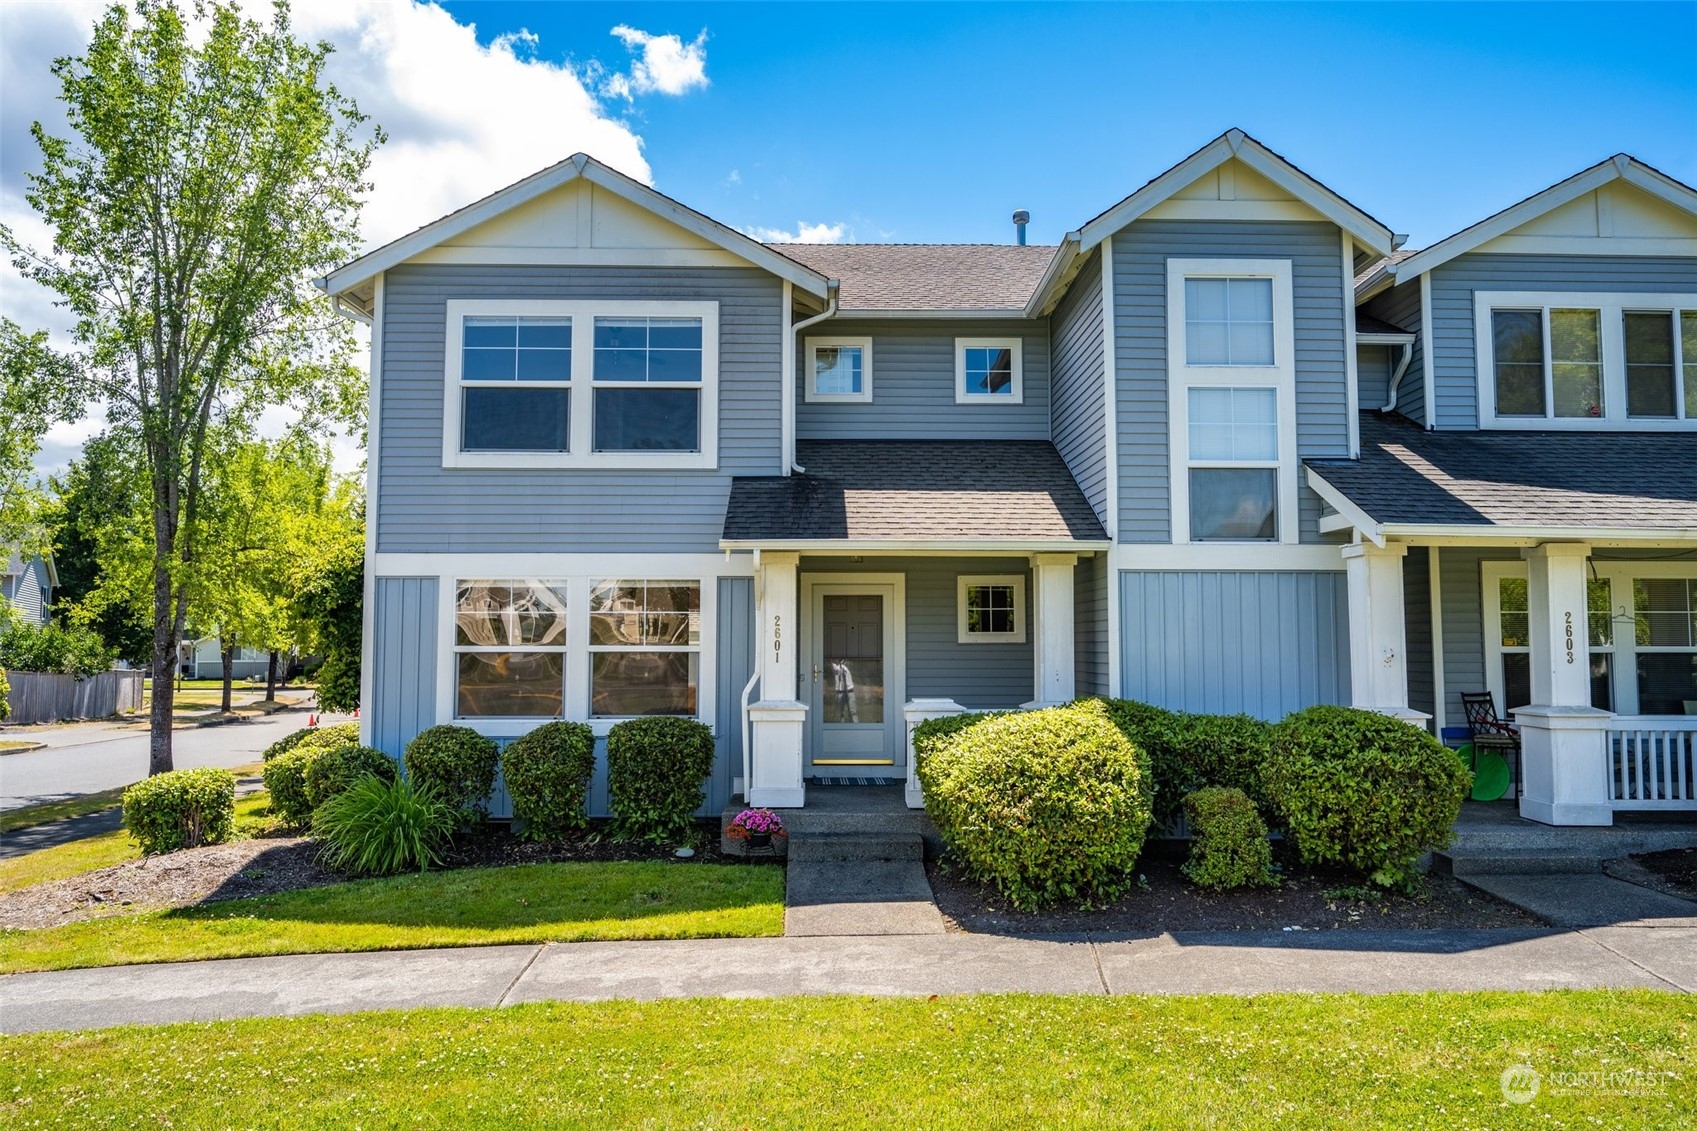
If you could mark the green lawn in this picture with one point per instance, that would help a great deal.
(59, 810)
(468, 907)
(1395, 1061)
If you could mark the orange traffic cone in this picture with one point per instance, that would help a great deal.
(312, 720)
(356, 712)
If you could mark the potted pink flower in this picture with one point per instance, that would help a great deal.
(756, 827)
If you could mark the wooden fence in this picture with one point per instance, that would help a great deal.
(39, 698)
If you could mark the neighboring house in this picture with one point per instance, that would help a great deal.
(204, 659)
(626, 460)
(27, 584)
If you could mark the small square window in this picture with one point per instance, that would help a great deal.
(989, 371)
(991, 609)
(839, 370)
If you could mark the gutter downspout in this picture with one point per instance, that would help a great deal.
(753, 676)
(1396, 378)
(831, 288)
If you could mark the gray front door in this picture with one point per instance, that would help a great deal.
(853, 723)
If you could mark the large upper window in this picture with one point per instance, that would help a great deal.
(509, 648)
(989, 371)
(533, 383)
(1228, 321)
(644, 647)
(1584, 360)
(1234, 461)
(839, 369)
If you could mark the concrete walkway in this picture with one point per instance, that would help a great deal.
(911, 965)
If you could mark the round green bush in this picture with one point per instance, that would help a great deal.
(1363, 790)
(1228, 847)
(380, 827)
(181, 809)
(1188, 752)
(547, 773)
(458, 764)
(1046, 805)
(341, 734)
(285, 780)
(931, 733)
(655, 767)
(337, 768)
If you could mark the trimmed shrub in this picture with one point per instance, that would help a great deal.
(337, 768)
(285, 780)
(932, 733)
(181, 809)
(377, 827)
(1229, 846)
(5, 690)
(1188, 752)
(342, 734)
(1363, 790)
(547, 773)
(1046, 805)
(458, 764)
(655, 767)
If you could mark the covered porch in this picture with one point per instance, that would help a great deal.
(1556, 572)
(900, 580)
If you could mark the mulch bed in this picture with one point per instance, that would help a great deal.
(1307, 898)
(1673, 872)
(495, 846)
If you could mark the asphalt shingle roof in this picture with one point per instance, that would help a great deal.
(915, 490)
(1407, 475)
(926, 276)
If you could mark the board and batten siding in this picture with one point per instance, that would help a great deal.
(1090, 625)
(736, 646)
(1417, 628)
(1264, 643)
(1141, 251)
(1454, 364)
(1400, 306)
(1078, 411)
(913, 384)
(424, 507)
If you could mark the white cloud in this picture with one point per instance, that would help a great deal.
(665, 64)
(804, 233)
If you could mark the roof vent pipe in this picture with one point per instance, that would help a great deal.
(1020, 219)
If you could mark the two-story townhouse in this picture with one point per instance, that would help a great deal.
(627, 461)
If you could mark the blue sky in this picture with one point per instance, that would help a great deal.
(933, 122)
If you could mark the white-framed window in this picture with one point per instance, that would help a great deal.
(990, 609)
(1586, 360)
(1231, 400)
(839, 370)
(545, 383)
(989, 371)
(509, 648)
(644, 647)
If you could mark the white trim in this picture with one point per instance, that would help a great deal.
(1351, 364)
(842, 341)
(1590, 245)
(966, 546)
(895, 658)
(965, 581)
(580, 257)
(1280, 376)
(1610, 307)
(578, 165)
(877, 314)
(1352, 516)
(1111, 448)
(1016, 395)
(1428, 365)
(533, 565)
(1275, 211)
(373, 490)
(1225, 557)
(1384, 339)
(786, 391)
(1435, 595)
(581, 417)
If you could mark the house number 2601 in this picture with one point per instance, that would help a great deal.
(1569, 617)
(777, 638)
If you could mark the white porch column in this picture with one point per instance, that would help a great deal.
(1052, 629)
(917, 711)
(1562, 737)
(778, 719)
(1378, 643)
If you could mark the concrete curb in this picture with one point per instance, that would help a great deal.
(24, 749)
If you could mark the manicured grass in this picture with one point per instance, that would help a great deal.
(469, 907)
(1395, 1061)
(59, 810)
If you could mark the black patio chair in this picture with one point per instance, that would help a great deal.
(1487, 731)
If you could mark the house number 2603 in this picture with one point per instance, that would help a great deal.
(1569, 617)
(777, 638)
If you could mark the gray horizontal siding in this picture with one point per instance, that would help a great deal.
(423, 506)
(1374, 366)
(1455, 366)
(403, 659)
(1417, 627)
(28, 592)
(1141, 252)
(1090, 625)
(1263, 643)
(1464, 622)
(913, 385)
(974, 675)
(1079, 409)
(1400, 306)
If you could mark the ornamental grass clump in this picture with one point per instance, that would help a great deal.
(547, 772)
(1363, 790)
(1228, 847)
(1045, 805)
(379, 828)
(181, 809)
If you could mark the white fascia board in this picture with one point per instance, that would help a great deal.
(1377, 283)
(1062, 267)
(1538, 532)
(1364, 339)
(1346, 507)
(578, 165)
(1234, 143)
(849, 315)
(916, 546)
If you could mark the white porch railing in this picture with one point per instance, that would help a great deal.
(1652, 762)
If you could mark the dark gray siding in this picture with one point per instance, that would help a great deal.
(1264, 643)
(974, 675)
(1141, 252)
(423, 506)
(1455, 367)
(1076, 331)
(1374, 366)
(913, 385)
(1090, 625)
(403, 660)
(1400, 306)
(1417, 627)
(1464, 622)
(736, 663)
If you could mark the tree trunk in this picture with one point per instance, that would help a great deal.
(271, 677)
(227, 650)
(164, 676)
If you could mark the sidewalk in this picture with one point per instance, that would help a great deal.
(915, 965)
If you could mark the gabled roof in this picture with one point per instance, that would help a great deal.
(373, 263)
(1620, 167)
(1376, 331)
(967, 277)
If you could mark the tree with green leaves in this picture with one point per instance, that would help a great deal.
(36, 384)
(101, 533)
(212, 174)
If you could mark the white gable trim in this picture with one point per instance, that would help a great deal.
(373, 263)
(1618, 168)
(1367, 231)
